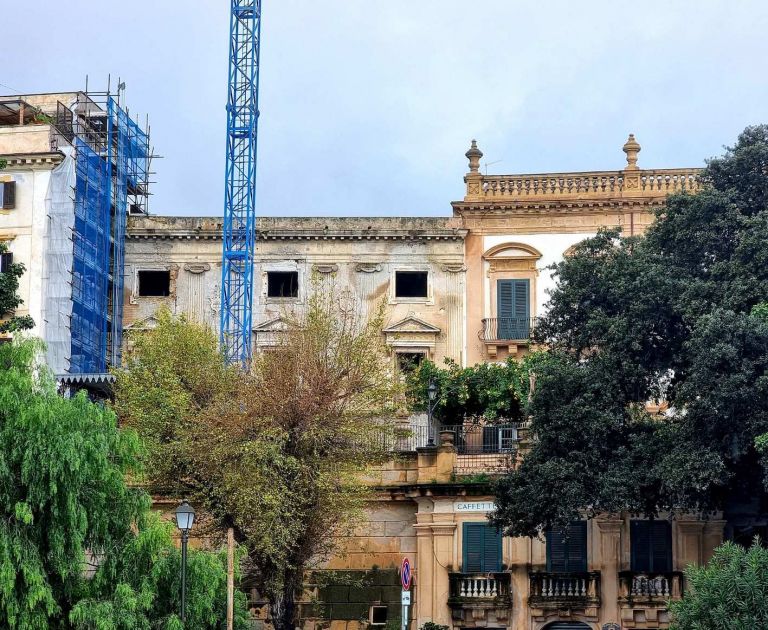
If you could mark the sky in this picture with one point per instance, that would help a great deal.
(367, 107)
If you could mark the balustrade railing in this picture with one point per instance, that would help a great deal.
(469, 587)
(661, 586)
(507, 329)
(598, 183)
(558, 588)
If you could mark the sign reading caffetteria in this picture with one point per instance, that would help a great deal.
(474, 506)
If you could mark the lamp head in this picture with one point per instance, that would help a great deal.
(185, 516)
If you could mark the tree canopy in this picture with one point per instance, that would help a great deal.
(656, 386)
(277, 453)
(66, 506)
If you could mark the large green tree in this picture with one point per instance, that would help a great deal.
(675, 317)
(277, 453)
(65, 505)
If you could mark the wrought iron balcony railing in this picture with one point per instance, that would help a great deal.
(479, 588)
(555, 590)
(497, 329)
(650, 586)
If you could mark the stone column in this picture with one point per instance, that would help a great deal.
(608, 558)
(443, 531)
(713, 537)
(425, 565)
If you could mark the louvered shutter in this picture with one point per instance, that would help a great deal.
(577, 547)
(482, 548)
(661, 546)
(513, 308)
(9, 195)
(6, 260)
(491, 550)
(473, 547)
(556, 551)
(567, 552)
(651, 546)
(639, 534)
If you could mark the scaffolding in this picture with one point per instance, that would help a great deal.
(112, 159)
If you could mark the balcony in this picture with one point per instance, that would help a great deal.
(650, 588)
(484, 448)
(564, 590)
(506, 332)
(483, 590)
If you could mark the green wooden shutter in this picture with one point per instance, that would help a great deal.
(513, 308)
(6, 260)
(491, 550)
(651, 546)
(481, 548)
(473, 547)
(567, 551)
(661, 546)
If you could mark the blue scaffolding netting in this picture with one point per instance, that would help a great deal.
(109, 170)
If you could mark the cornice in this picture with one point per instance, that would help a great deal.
(303, 235)
(32, 159)
(483, 209)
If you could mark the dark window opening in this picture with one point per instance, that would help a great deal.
(6, 260)
(8, 195)
(154, 283)
(411, 284)
(407, 362)
(378, 615)
(282, 284)
(651, 546)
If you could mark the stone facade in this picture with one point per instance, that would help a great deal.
(430, 500)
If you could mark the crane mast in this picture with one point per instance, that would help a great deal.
(239, 230)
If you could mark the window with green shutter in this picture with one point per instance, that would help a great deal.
(482, 548)
(513, 309)
(567, 549)
(651, 546)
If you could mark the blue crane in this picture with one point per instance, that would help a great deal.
(240, 187)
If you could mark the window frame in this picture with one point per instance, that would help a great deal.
(427, 299)
(583, 561)
(138, 293)
(653, 528)
(8, 200)
(281, 267)
(486, 529)
(370, 615)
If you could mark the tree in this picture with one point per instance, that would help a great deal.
(9, 298)
(672, 317)
(64, 500)
(276, 453)
(729, 593)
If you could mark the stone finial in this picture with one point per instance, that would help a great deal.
(631, 148)
(473, 155)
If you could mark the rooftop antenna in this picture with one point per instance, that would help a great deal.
(487, 164)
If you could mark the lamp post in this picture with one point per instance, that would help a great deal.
(431, 404)
(185, 517)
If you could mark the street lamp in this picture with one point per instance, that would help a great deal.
(431, 404)
(185, 517)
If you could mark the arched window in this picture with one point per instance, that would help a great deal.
(567, 625)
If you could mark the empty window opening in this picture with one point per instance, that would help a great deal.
(378, 615)
(154, 283)
(411, 284)
(283, 284)
(407, 362)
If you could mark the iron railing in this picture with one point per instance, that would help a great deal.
(555, 590)
(507, 329)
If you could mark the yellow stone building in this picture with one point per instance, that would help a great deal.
(467, 287)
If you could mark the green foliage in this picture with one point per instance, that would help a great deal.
(139, 588)
(9, 298)
(678, 317)
(62, 490)
(431, 625)
(276, 453)
(729, 593)
(65, 502)
(487, 391)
